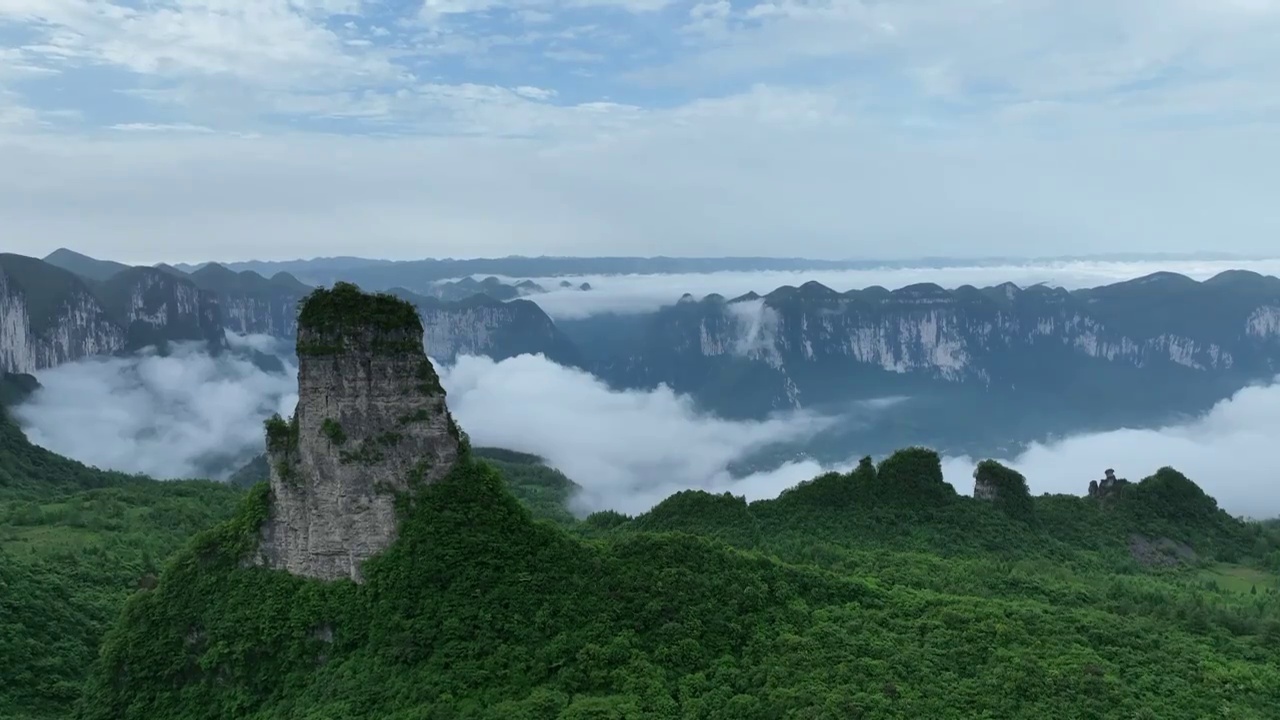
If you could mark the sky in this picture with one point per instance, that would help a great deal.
(170, 417)
(194, 130)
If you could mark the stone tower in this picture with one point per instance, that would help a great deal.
(371, 422)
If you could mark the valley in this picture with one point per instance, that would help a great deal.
(970, 371)
(880, 592)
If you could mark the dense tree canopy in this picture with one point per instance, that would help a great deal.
(879, 593)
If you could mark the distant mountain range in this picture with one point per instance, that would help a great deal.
(978, 370)
(386, 274)
(69, 306)
(965, 370)
(49, 315)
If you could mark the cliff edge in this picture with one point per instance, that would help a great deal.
(371, 423)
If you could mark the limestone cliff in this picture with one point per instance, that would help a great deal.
(48, 316)
(482, 325)
(371, 423)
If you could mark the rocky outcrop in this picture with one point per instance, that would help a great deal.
(984, 488)
(1159, 552)
(371, 423)
(1107, 486)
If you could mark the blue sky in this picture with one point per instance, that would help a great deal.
(197, 129)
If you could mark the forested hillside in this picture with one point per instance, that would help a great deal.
(76, 542)
(880, 593)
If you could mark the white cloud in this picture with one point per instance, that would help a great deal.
(185, 415)
(160, 127)
(271, 43)
(174, 416)
(1229, 453)
(645, 293)
(757, 330)
(628, 450)
(1035, 49)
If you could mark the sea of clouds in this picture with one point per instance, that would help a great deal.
(645, 293)
(181, 415)
(190, 414)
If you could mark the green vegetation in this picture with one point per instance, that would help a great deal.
(389, 438)
(876, 593)
(366, 453)
(282, 435)
(370, 450)
(1241, 579)
(333, 430)
(545, 491)
(1012, 496)
(330, 320)
(75, 543)
(868, 594)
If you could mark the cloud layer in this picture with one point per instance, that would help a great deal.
(1228, 452)
(184, 415)
(627, 449)
(630, 450)
(181, 415)
(644, 293)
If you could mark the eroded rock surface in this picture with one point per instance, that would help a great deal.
(371, 422)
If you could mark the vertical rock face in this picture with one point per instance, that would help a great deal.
(48, 317)
(371, 422)
(482, 325)
(155, 307)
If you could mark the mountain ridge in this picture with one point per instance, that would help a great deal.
(1025, 361)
